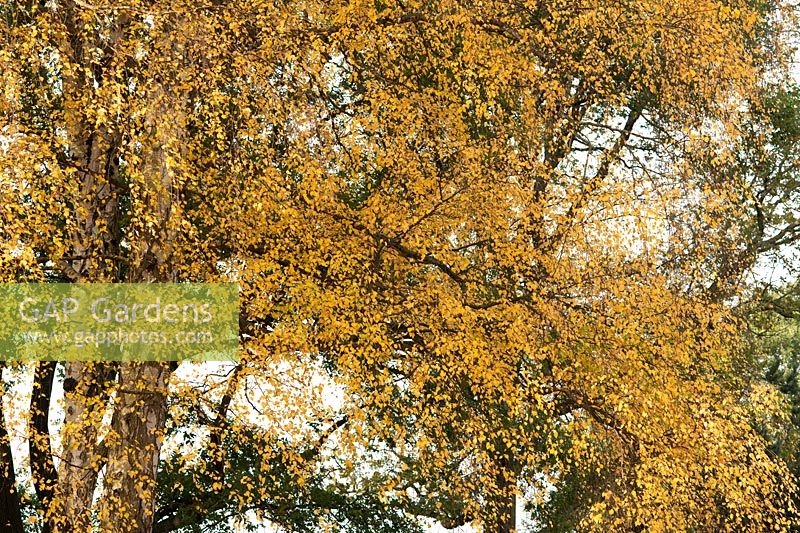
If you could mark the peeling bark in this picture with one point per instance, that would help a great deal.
(86, 399)
(134, 444)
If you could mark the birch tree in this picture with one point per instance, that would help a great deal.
(471, 218)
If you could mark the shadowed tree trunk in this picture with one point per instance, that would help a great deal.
(10, 514)
(505, 519)
(43, 471)
(503, 515)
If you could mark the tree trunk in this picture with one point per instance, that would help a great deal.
(503, 512)
(510, 523)
(134, 444)
(10, 512)
(86, 402)
(506, 519)
(43, 471)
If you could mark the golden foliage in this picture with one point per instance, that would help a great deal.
(465, 209)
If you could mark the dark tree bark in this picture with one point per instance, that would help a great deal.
(505, 520)
(43, 470)
(503, 511)
(10, 510)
